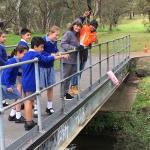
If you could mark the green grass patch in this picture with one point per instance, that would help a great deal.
(134, 27)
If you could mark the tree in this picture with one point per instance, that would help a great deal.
(112, 10)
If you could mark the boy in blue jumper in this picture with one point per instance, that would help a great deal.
(8, 80)
(28, 77)
(47, 74)
(3, 55)
(25, 37)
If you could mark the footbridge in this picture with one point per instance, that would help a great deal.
(55, 132)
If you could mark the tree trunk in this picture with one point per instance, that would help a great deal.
(100, 10)
(17, 18)
(130, 15)
(110, 27)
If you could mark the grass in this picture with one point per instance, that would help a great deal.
(135, 27)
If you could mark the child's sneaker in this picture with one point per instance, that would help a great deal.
(29, 125)
(68, 97)
(20, 120)
(50, 111)
(11, 118)
(5, 104)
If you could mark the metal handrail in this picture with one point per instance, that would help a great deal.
(125, 50)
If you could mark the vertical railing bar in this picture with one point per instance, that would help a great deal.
(62, 88)
(2, 133)
(78, 70)
(123, 48)
(126, 42)
(107, 47)
(129, 37)
(114, 49)
(90, 68)
(38, 97)
(118, 51)
(100, 63)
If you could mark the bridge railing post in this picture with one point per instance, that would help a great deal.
(38, 96)
(78, 74)
(118, 51)
(114, 55)
(126, 42)
(129, 44)
(62, 87)
(100, 63)
(90, 68)
(107, 48)
(2, 135)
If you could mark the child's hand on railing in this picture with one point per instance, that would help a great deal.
(10, 90)
(65, 56)
(61, 56)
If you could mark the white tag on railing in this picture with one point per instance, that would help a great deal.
(113, 78)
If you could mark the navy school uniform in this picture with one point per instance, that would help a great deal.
(8, 80)
(47, 73)
(3, 55)
(23, 43)
(28, 76)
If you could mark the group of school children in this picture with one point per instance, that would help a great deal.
(19, 81)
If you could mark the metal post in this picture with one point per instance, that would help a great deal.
(107, 47)
(2, 135)
(78, 70)
(90, 68)
(62, 88)
(129, 44)
(126, 46)
(38, 96)
(123, 48)
(118, 51)
(114, 49)
(100, 63)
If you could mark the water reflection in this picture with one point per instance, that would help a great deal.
(86, 142)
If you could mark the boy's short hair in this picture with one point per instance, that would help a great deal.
(94, 23)
(24, 31)
(36, 41)
(54, 29)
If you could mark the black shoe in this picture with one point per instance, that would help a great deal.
(50, 111)
(20, 120)
(68, 97)
(5, 104)
(29, 125)
(11, 118)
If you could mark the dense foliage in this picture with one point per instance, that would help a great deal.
(132, 129)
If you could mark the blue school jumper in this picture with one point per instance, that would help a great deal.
(23, 43)
(47, 73)
(28, 76)
(8, 80)
(3, 55)
(49, 48)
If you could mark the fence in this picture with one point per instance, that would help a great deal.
(107, 55)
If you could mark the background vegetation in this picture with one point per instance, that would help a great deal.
(131, 129)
